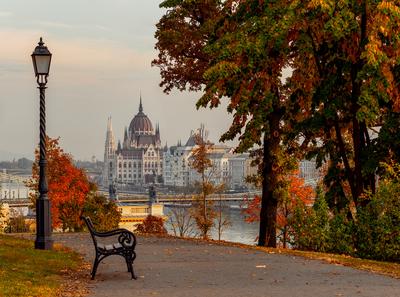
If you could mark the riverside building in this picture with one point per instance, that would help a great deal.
(227, 168)
(137, 160)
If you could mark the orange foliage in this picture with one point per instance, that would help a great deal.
(68, 185)
(297, 191)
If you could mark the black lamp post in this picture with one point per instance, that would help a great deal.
(41, 58)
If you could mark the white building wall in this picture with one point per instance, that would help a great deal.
(14, 190)
(227, 168)
(237, 171)
(176, 166)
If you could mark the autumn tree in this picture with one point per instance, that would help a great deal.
(203, 212)
(295, 192)
(222, 220)
(298, 192)
(345, 61)
(342, 63)
(181, 219)
(246, 54)
(181, 36)
(68, 186)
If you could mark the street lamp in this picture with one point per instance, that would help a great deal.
(41, 58)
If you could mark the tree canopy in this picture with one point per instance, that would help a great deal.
(68, 186)
(338, 104)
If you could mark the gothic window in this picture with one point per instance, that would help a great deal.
(120, 165)
(129, 175)
(124, 165)
(120, 176)
(134, 165)
(124, 175)
(129, 164)
(110, 164)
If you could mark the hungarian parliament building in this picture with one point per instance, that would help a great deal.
(141, 159)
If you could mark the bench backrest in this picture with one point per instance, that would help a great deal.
(90, 226)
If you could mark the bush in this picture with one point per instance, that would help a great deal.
(104, 213)
(374, 234)
(340, 235)
(309, 225)
(152, 225)
(69, 216)
(17, 225)
(378, 226)
(2, 220)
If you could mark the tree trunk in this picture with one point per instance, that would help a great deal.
(269, 201)
(284, 236)
(205, 230)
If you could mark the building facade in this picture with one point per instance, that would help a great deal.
(176, 163)
(138, 159)
(13, 187)
(227, 168)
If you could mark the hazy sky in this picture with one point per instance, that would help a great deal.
(102, 52)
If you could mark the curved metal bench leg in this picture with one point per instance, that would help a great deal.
(132, 272)
(128, 265)
(133, 259)
(129, 262)
(95, 265)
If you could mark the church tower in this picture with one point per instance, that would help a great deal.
(109, 170)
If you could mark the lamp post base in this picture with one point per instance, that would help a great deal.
(43, 225)
(44, 244)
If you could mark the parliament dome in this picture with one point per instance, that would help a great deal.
(141, 124)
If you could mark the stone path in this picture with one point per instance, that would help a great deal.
(174, 267)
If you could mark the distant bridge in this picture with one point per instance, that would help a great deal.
(21, 202)
(168, 198)
(137, 198)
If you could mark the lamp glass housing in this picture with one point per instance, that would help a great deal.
(41, 64)
(41, 58)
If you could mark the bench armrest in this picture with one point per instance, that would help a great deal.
(110, 233)
(125, 237)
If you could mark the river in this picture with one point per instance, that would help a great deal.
(238, 230)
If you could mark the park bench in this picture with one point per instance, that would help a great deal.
(115, 242)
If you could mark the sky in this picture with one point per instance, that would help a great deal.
(102, 52)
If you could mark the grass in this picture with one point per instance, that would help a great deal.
(386, 268)
(25, 271)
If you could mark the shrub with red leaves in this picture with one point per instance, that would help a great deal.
(152, 225)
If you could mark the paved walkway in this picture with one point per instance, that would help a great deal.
(173, 267)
